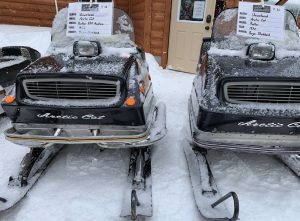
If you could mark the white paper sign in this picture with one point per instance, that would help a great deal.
(90, 19)
(199, 9)
(261, 21)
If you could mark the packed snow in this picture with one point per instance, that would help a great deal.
(35, 37)
(83, 183)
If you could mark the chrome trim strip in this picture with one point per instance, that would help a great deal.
(21, 126)
(155, 131)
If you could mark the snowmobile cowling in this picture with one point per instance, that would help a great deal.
(87, 102)
(242, 103)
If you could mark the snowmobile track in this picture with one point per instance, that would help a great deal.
(137, 200)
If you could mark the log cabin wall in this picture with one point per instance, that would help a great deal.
(151, 18)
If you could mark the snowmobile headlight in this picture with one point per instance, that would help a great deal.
(261, 51)
(86, 48)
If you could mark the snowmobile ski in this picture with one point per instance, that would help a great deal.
(137, 203)
(292, 161)
(207, 196)
(31, 168)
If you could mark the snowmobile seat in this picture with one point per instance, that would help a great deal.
(12, 60)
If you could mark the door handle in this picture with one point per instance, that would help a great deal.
(208, 19)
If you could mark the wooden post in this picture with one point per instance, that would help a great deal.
(165, 47)
(147, 25)
(130, 7)
(232, 3)
(56, 6)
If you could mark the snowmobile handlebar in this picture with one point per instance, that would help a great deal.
(235, 203)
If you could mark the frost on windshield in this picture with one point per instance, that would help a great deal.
(118, 44)
(227, 43)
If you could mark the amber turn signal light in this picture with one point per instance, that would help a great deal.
(9, 99)
(130, 101)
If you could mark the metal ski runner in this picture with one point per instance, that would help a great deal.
(208, 199)
(31, 168)
(137, 203)
(292, 161)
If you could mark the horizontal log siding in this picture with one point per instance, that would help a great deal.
(157, 26)
(37, 12)
(137, 14)
(122, 4)
(29, 12)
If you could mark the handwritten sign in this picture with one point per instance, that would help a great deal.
(261, 21)
(90, 19)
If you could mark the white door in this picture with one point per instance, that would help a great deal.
(191, 21)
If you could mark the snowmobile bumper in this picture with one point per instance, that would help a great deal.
(106, 137)
(243, 142)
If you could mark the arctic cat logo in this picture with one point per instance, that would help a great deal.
(70, 117)
(254, 123)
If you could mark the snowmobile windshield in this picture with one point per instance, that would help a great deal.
(225, 34)
(120, 42)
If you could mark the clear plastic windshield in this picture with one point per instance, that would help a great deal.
(225, 37)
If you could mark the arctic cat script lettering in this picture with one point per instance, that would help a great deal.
(254, 123)
(70, 117)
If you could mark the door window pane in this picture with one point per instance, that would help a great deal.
(191, 10)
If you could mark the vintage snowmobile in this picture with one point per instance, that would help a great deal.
(87, 91)
(245, 98)
(12, 60)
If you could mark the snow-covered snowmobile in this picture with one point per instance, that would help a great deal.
(87, 91)
(245, 98)
(12, 60)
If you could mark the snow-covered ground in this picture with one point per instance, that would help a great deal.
(17, 35)
(83, 183)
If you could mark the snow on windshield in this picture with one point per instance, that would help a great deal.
(227, 43)
(118, 45)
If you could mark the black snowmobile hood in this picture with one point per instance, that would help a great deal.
(243, 67)
(100, 65)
